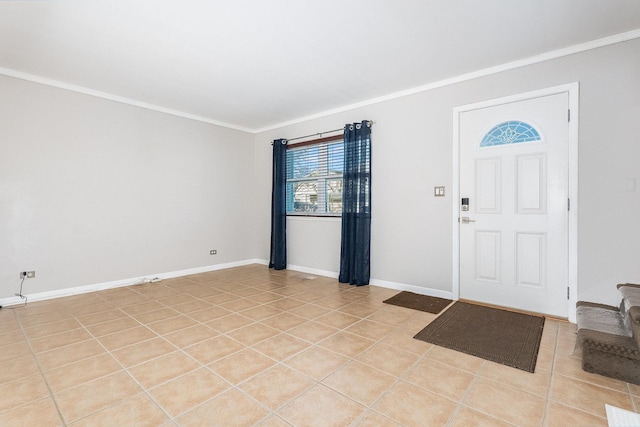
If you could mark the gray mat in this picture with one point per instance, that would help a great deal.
(502, 336)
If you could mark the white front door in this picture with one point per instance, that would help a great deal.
(514, 181)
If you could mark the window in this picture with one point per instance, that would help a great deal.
(511, 132)
(314, 177)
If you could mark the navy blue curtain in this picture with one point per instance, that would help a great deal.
(355, 245)
(278, 258)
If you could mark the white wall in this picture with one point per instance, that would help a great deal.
(412, 153)
(93, 191)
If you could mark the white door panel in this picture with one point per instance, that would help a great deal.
(514, 248)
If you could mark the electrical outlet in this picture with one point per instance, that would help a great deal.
(213, 252)
(27, 274)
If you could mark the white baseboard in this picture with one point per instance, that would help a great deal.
(412, 288)
(41, 296)
(375, 282)
(77, 290)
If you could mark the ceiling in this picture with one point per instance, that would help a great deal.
(253, 65)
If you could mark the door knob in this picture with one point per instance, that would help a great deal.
(466, 220)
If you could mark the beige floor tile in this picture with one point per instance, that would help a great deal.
(273, 421)
(310, 296)
(466, 417)
(14, 351)
(332, 302)
(312, 332)
(228, 409)
(42, 319)
(549, 335)
(634, 389)
(439, 378)
(208, 314)
(277, 386)
(413, 406)
(260, 312)
(213, 349)
(39, 413)
(454, 358)
(126, 298)
(23, 390)
(536, 383)
(136, 309)
(359, 309)
(239, 304)
(559, 415)
(572, 367)
(112, 326)
(586, 396)
(79, 402)
(91, 305)
(284, 321)
(139, 411)
(388, 359)
(180, 299)
(253, 333)
(69, 354)
(401, 340)
(281, 346)
(265, 297)
(565, 346)
(173, 324)
(40, 331)
(190, 336)
(9, 325)
(241, 366)
(246, 291)
(359, 382)
(102, 316)
(221, 298)
(347, 344)
(337, 319)
(286, 304)
(545, 360)
(142, 352)
(27, 364)
(13, 337)
(491, 398)
(191, 306)
(127, 337)
(321, 407)
(374, 419)
(229, 323)
(185, 393)
(154, 290)
(155, 316)
(80, 372)
(310, 311)
(392, 317)
(163, 369)
(368, 329)
(316, 362)
(62, 339)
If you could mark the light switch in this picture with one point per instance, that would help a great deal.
(438, 191)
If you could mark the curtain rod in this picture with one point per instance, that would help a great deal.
(316, 134)
(370, 123)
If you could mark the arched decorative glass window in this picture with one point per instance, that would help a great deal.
(511, 132)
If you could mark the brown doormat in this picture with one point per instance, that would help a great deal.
(419, 302)
(502, 336)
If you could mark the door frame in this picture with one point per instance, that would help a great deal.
(573, 90)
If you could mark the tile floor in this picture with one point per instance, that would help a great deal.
(249, 346)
